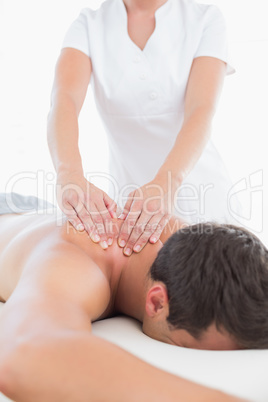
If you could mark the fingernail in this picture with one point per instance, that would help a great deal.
(122, 243)
(110, 241)
(127, 251)
(96, 238)
(114, 215)
(137, 248)
(153, 239)
(121, 216)
(104, 244)
(80, 227)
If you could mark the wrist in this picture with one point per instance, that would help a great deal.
(169, 177)
(68, 169)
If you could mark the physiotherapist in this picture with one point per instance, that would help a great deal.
(156, 68)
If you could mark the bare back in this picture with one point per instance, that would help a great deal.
(34, 249)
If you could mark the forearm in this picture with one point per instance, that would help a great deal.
(188, 146)
(83, 367)
(62, 134)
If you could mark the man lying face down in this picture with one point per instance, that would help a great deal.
(206, 287)
(216, 277)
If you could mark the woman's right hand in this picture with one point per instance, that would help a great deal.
(87, 207)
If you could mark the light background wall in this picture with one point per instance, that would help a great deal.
(31, 33)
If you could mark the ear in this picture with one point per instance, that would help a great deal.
(156, 300)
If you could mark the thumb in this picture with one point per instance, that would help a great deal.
(110, 205)
(127, 206)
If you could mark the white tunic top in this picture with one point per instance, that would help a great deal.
(140, 95)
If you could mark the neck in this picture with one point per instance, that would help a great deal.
(134, 282)
(146, 6)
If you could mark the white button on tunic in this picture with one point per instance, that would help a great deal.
(153, 95)
(137, 59)
(140, 95)
(143, 76)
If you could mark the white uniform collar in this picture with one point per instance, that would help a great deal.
(159, 13)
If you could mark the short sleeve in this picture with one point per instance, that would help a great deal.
(77, 36)
(214, 39)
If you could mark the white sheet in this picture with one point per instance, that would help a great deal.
(242, 373)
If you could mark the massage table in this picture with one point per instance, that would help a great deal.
(242, 373)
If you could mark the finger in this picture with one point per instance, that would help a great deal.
(70, 212)
(110, 205)
(141, 228)
(97, 220)
(108, 223)
(127, 206)
(88, 223)
(129, 223)
(150, 229)
(159, 229)
(74, 220)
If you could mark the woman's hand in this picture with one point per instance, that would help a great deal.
(86, 207)
(146, 213)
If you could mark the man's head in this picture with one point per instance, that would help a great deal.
(209, 289)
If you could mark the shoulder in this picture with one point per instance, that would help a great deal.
(90, 13)
(200, 11)
(66, 272)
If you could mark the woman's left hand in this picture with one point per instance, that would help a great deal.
(146, 212)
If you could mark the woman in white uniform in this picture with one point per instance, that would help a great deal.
(156, 68)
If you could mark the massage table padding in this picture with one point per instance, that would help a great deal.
(242, 373)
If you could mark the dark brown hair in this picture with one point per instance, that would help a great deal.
(216, 273)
